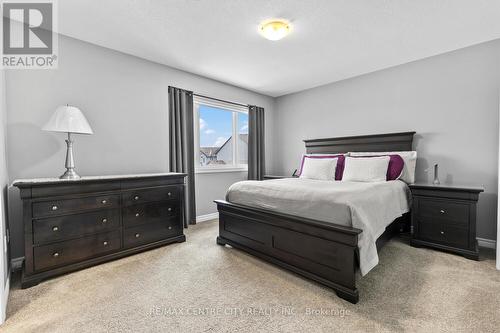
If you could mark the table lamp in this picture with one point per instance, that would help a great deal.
(68, 119)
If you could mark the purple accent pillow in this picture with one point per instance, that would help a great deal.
(395, 168)
(339, 171)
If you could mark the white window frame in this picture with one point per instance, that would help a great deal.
(229, 107)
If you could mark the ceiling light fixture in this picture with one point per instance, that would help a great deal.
(274, 29)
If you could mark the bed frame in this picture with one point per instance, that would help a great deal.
(324, 252)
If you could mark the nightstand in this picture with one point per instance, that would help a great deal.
(444, 217)
(268, 177)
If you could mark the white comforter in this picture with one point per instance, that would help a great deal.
(370, 207)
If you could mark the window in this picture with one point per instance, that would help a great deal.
(221, 135)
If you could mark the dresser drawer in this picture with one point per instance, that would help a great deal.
(59, 207)
(150, 232)
(451, 211)
(68, 252)
(444, 234)
(150, 195)
(70, 226)
(149, 213)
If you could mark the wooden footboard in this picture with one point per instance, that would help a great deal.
(320, 251)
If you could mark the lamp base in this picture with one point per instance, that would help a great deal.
(70, 163)
(70, 174)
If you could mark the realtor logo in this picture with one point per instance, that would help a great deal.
(28, 38)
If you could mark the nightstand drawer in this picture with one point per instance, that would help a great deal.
(452, 211)
(444, 234)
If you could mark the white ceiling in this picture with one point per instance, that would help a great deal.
(331, 39)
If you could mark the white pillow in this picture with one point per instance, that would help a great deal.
(409, 157)
(304, 156)
(366, 169)
(319, 168)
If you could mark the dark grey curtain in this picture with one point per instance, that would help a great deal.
(180, 110)
(256, 152)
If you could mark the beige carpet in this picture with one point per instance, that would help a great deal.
(199, 286)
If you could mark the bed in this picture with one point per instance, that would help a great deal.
(264, 218)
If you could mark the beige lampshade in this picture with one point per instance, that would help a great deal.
(68, 119)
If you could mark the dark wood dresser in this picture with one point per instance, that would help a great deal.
(444, 217)
(73, 224)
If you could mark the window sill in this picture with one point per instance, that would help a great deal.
(218, 170)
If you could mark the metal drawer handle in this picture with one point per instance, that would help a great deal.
(105, 243)
(56, 254)
(137, 214)
(55, 228)
(442, 232)
(169, 228)
(442, 211)
(104, 201)
(169, 209)
(136, 197)
(169, 194)
(104, 220)
(137, 235)
(55, 207)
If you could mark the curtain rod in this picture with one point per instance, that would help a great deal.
(221, 100)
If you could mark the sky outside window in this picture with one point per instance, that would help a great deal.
(216, 126)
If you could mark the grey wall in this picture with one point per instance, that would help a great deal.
(450, 100)
(125, 100)
(212, 186)
(4, 180)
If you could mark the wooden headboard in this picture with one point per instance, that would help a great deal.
(363, 143)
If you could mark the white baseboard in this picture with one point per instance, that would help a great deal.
(4, 300)
(207, 217)
(488, 243)
(16, 264)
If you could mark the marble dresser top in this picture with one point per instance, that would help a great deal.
(32, 181)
